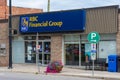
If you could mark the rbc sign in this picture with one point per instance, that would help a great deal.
(52, 22)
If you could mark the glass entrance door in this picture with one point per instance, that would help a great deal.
(44, 52)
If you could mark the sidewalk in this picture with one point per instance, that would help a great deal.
(32, 68)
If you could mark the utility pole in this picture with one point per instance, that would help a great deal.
(37, 44)
(10, 35)
(37, 54)
(48, 7)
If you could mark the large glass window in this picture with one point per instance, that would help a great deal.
(86, 52)
(72, 54)
(71, 49)
(107, 48)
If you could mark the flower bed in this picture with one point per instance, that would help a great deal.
(54, 67)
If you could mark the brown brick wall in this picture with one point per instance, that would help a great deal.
(56, 48)
(4, 10)
(20, 10)
(3, 4)
(118, 36)
(4, 40)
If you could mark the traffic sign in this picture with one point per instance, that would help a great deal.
(37, 47)
(93, 37)
(93, 51)
(93, 56)
(93, 46)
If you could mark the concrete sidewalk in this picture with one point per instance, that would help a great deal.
(32, 68)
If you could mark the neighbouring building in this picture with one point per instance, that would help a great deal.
(4, 39)
(62, 35)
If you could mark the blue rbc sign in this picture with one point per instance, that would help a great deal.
(61, 21)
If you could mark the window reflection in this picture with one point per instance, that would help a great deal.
(72, 54)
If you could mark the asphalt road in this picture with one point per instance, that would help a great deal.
(30, 76)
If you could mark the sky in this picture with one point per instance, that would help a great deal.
(57, 5)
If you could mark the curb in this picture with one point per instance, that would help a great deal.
(94, 77)
(63, 74)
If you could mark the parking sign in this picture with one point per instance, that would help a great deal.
(93, 37)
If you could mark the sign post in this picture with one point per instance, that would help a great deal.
(93, 38)
(37, 54)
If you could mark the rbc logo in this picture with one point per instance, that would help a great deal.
(24, 24)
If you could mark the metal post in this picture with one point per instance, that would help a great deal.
(37, 54)
(10, 35)
(48, 7)
(93, 68)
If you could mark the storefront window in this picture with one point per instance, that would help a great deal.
(72, 54)
(71, 48)
(30, 50)
(107, 48)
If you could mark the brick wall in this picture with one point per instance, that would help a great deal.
(118, 36)
(56, 48)
(4, 10)
(21, 10)
(4, 40)
(3, 4)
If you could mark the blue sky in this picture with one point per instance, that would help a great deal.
(57, 5)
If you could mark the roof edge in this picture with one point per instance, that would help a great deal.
(116, 6)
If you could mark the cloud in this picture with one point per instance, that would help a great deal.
(40, 4)
(63, 4)
(75, 4)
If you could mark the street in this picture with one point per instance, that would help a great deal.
(30, 76)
